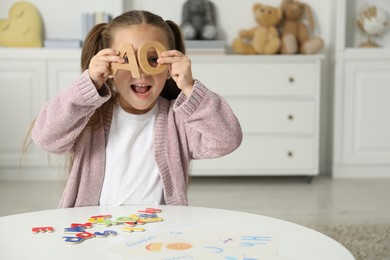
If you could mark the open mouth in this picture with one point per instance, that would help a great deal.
(142, 90)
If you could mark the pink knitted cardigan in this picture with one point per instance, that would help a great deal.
(199, 127)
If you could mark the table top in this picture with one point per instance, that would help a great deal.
(179, 232)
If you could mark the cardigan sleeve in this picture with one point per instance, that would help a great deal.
(210, 124)
(62, 119)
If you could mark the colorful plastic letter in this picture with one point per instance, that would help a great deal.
(73, 240)
(36, 230)
(85, 235)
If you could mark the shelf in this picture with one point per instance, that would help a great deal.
(37, 53)
(367, 53)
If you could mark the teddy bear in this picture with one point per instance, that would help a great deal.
(295, 36)
(198, 20)
(264, 38)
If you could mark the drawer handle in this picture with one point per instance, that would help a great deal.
(290, 117)
(291, 79)
(290, 154)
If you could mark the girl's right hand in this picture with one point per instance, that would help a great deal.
(99, 66)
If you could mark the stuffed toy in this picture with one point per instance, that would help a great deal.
(264, 38)
(296, 38)
(23, 27)
(198, 20)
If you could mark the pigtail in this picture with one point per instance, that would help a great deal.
(171, 90)
(179, 40)
(93, 43)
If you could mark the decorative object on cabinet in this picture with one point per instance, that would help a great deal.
(23, 27)
(264, 38)
(296, 36)
(199, 20)
(371, 21)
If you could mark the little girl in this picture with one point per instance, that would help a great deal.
(131, 139)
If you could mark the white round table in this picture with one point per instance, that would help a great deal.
(206, 233)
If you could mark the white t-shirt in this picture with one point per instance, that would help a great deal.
(131, 174)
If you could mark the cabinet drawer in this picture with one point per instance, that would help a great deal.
(258, 115)
(262, 155)
(254, 78)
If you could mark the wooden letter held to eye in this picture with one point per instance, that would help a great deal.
(127, 50)
(143, 57)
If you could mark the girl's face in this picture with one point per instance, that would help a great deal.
(139, 95)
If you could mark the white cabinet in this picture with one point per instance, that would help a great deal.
(276, 99)
(23, 89)
(362, 105)
(29, 77)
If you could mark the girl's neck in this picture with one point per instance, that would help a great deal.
(130, 109)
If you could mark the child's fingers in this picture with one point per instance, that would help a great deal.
(109, 55)
(171, 56)
(171, 53)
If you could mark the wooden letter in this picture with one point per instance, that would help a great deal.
(143, 57)
(126, 51)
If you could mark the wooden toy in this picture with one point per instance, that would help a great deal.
(143, 57)
(37, 230)
(127, 52)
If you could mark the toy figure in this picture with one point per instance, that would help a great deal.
(198, 22)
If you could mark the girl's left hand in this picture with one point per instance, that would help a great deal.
(180, 69)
